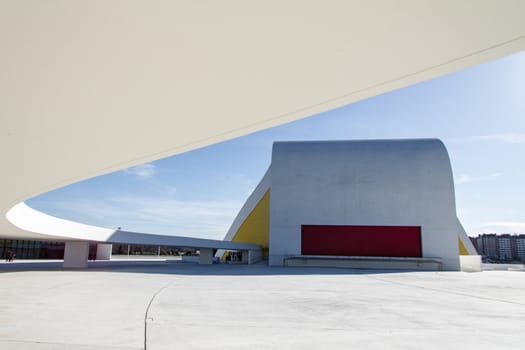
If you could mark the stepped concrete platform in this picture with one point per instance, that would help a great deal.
(189, 306)
(365, 262)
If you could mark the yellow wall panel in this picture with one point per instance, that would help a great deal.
(462, 249)
(256, 227)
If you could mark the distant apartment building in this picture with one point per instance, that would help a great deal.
(488, 245)
(500, 247)
(520, 247)
(504, 247)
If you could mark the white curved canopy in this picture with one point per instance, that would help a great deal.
(49, 227)
(91, 87)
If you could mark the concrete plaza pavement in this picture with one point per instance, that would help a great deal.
(171, 305)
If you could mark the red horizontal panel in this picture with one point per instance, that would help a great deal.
(396, 241)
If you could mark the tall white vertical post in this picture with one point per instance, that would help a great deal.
(76, 254)
(206, 256)
(104, 251)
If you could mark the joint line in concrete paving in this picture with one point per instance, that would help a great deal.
(147, 311)
(448, 291)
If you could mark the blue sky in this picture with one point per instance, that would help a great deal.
(479, 113)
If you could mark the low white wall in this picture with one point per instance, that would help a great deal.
(383, 264)
(190, 258)
(471, 263)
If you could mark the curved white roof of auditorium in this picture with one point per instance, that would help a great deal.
(87, 88)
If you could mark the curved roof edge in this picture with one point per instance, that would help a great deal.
(41, 226)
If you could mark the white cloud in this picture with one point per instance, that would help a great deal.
(505, 137)
(143, 170)
(463, 179)
(503, 227)
(242, 179)
(201, 219)
(170, 191)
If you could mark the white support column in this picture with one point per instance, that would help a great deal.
(104, 251)
(254, 256)
(206, 256)
(245, 255)
(76, 254)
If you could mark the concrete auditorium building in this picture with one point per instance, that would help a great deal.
(372, 204)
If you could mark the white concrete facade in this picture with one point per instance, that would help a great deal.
(378, 183)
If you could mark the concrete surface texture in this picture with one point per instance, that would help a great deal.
(188, 306)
